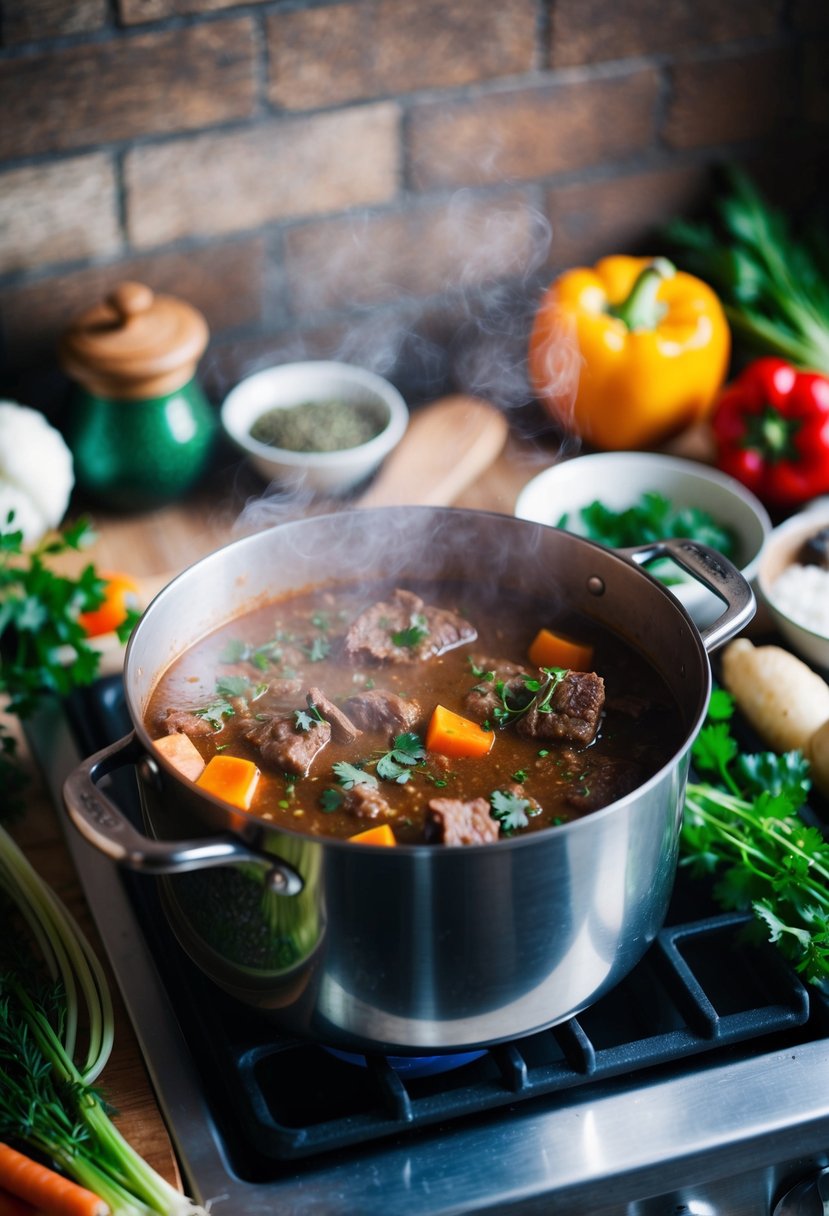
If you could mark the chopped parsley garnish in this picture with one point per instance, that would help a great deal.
(510, 810)
(540, 698)
(330, 800)
(239, 686)
(480, 673)
(350, 775)
(317, 649)
(269, 654)
(396, 764)
(229, 688)
(418, 630)
(304, 719)
(216, 712)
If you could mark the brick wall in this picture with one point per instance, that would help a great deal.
(388, 181)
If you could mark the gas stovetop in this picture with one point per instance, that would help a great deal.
(708, 1066)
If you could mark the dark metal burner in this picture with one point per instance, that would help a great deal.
(285, 1113)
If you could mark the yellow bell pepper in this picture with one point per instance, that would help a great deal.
(628, 353)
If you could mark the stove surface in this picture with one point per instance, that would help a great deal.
(708, 1065)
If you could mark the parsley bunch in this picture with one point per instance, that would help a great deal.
(43, 647)
(743, 824)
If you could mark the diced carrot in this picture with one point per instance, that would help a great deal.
(45, 1189)
(555, 650)
(182, 754)
(381, 834)
(231, 778)
(454, 736)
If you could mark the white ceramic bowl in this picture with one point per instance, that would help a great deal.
(781, 551)
(619, 479)
(292, 384)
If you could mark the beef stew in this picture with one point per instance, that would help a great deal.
(417, 707)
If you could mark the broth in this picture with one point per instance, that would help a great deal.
(367, 664)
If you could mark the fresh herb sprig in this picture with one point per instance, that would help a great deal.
(406, 752)
(510, 810)
(772, 279)
(743, 826)
(535, 694)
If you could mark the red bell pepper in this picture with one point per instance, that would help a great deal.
(771, 427)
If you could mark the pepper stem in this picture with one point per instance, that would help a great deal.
(641, 309)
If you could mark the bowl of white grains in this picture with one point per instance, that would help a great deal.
(793, 579)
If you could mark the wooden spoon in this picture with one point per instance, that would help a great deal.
(447, 445)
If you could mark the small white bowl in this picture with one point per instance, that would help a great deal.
(292, 384)
(780, 552)
(619, 479)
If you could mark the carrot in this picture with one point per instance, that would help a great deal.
(556, 650)
(452, 735)
(120, 596)
(231, 778)
(182, 754)
(45, 1189)
(381, 834)
(10, 1205)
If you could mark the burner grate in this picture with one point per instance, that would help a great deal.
(700, 989)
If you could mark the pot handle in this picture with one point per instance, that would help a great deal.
(715, 572)
(105, 826)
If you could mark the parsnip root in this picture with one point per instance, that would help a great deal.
(782, 698)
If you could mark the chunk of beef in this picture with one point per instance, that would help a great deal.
(366, 802)
(342, 728)
(185, 722)
(377, 709)
(486, 696)
(370, 636)
(602, 782)
(451, 821)
(282, 746)
(575, 709)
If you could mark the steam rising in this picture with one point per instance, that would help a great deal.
(463, 329)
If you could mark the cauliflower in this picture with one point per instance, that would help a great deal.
(36, 471)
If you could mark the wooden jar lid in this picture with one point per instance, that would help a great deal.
(134, 344)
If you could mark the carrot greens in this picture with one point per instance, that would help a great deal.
(56, 1035)
(744, 826)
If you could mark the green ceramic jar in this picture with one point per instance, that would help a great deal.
(139, 426)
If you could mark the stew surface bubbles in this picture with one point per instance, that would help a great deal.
(439, 713)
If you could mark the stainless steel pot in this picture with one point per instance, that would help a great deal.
(414, 949)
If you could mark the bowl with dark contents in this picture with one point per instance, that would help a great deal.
(793, 580)
(324, 426)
